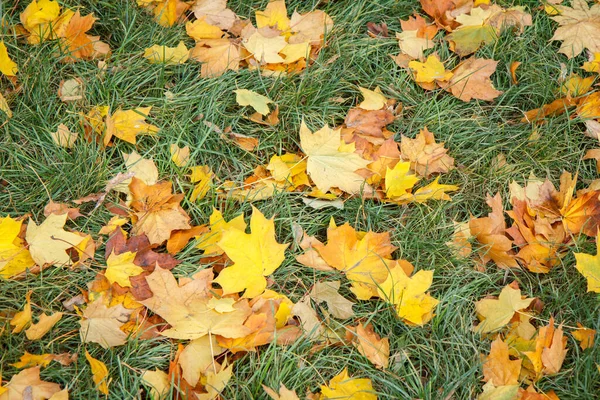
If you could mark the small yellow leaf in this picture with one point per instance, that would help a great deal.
(100, 373)
(373, 100)
(46, 322)
(496, 313)
(48, 242)
(7, 66)
(245, 97)
(589, 266)
(429, 71)
(32, 360)
(119, 268)
(159, 383)
(22, 319)
(342, 386)
(167, 55)
(274, 15)
(398, 181)
(180, 155)
(4, 107)
(64, 137)
(200, 30)
(202, 176)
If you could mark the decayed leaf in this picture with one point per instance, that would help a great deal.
(71, 90)
(584, 336)
(370, 345)
(255, 256)
(102, 324)
(498, 368)
(185, 306)
(14, 256)
(284, 393)
(48, 241)
(471, 80)
(156, 211)
(245, 97)
(496, 313)
(99, 372)
(309, 320)
(7, 66)
(338, 305)
(43, 326)
(64, 137)
(28, 385)
(329, 164)
(425, 155)
(157, 54)
(579, 28)
(22, 319)
(589, 266)
(342, 386)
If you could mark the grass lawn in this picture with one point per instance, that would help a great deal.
(440, 360)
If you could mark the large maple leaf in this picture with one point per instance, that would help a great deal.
(49, 242)
(156, 211)
(329, 163)
(579, 28)
(187, 307)
(255, 255)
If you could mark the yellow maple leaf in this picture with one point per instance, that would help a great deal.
(202, 176)
(43, 326)
(399, 181)
(102, 324)
(48, 242)
(433, 190)
(120, 267)
(197, 357)
(593, 64)
(329, 164)
(37, 17)
(159, 383)
(430, 71)
(208, 242)
(265, 49)
(126, 125)
(342, 386)
(584, 336)
(255, 255)
(157, 54)
(216, 56)
(99, 373)
(27, 384)
(180, 155)
(200, 29)
(22, 319)
(7, 66)
(32, 360)
(589, 266)
(14, 256)
(245, 97)
(373, 99)
(274, 16)
(4, 107)
(498, 368)
(473, 31)
(496, 313)
(408, 294)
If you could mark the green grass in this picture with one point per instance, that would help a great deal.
(438, 361)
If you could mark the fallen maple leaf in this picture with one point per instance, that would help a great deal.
(157, 54)
(49, 242)
(159, 383)
(342, 386)
(496, 313)
(589, 266)
(77, 44)
(186, 307)
(156, 211)
(370, 344)
(584, 336)
(498, 368)
(37, 18)
(245, 97)
(329, 164)
(99, 373)
(255, 256)
(337, 305)
(14, 256)
(43, 326)
(473, 32)
(22, 319)
(471, 80)
(64, 137)
(579, 28)
(284, 393)
(408, 294)
(180, 155)
(101, 324)
(28, 383)
(425, 155)
(216, 56)
(7, 66)
(126, 125)
(215, 12)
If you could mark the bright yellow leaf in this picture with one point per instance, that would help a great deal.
(22, 319)
(398, 181)
(48, 242)
(180, 155)
(245, 97)
(99, 373)
(342, 386)
(589, 266)
(200, 30)
(373, 99)
(157, 54)
(7, 66)
(43, 326)
(14, 256)
(119, 268)
(429, 71)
